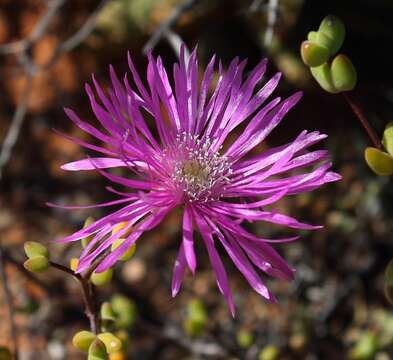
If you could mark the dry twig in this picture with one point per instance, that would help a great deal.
(166, 26)
(21, 50)
(272, 15)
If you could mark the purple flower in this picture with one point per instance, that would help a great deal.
(170, 136)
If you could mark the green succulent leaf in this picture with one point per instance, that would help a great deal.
(107, 312)
(334, 29)
(97, 350)
(323, 40)
(343, 73)
(88, 222)
(112, 342)
(128, 253)
(269, 352)
(312, 36)
(125, 310)
(379, 161)
(33, 248)
(366, 347)
(245, 338)
(196, 320)
(389, 273)
(83, 339)
(313, 54)
(389, 293)
(37, 264)
(323, 76)
(101, 278)
(387, 139)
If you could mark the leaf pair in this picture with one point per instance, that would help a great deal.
(37, 257)
(381, 162)
(339, 74)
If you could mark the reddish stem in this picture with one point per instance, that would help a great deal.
(87, 295)
(355, 107)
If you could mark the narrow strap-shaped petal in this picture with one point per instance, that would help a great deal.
(256, 204)
(188, 241)
(265, 125)
(269, 254)
(152, 221)
(137, 80)
(85, 144)
(218, 267)
(272, 217)
(257, 254)
(93, 206)
(93, 163)
(242, 263)
(206, 81)
(178, 270)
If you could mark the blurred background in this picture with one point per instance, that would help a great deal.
(335, 309)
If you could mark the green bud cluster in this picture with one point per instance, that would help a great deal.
(335, 75)
(37, 257)
(196, 320)
(96, 346)
(380, 161)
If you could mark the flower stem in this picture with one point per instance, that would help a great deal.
(87, 295)
(355, 107)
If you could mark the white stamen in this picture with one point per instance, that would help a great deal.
(196, 170)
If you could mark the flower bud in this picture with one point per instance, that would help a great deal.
(85, 241)
(33, 248)
(323, 76)
(97, 351)
(102, 278)
(128, 253)
(313, 54)
(379, 161)
(387, 139)
(74, 264)
(112, 343)
(333, 28)
(83, 339)
(37, 264)
(343, 73)
(107, 312)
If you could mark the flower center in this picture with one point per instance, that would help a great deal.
(198, 171)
